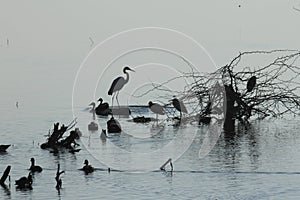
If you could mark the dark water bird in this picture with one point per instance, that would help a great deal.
(113, 126)
(102, 108)
(87, 168)
(24, 182)
(251, 83)
(35, 168)
(179, 106)
(118, 84)
(156, 108)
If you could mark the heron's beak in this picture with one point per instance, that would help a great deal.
(132, 70)
(90, 104)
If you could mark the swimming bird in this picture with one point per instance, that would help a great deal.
(179, 106)
(156, 108)
(87, 168)
(35, 168)
(251, 83)
(113, 126)
(118, 84)
(24, 182)
(102, 108)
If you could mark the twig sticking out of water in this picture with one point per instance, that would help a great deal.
(164, 165)
(58, 180)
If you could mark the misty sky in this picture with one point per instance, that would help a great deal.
(52, 37)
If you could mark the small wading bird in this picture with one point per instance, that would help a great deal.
(35, 168)
(157, 109)
(179, 106)
(118, 84)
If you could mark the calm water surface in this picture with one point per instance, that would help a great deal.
(260, 163)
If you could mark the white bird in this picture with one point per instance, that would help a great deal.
(118, 84)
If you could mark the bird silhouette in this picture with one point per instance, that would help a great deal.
(87, 168)
(102, 108)
(118, 84)
(179, 106)
(35, 168)
(24, 182)
(156, 108)
(251, 83)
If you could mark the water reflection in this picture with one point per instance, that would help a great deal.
(6, 190)
(235, 146)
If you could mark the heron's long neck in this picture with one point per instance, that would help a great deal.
(32, 163)
(127, 77)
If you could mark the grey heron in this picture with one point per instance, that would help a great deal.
(118, 84)
(179, 106)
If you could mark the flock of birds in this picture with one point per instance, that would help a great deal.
(101, 109)
(104, 109)
(117, 84)
(26, 182)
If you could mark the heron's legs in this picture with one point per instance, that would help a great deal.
(117, 93)
(112, 100)
(112, 104)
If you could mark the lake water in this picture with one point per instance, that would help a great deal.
(259, 163)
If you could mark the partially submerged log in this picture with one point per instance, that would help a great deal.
(141, 119)
(3, 147)
(56, 141)
(5, 175)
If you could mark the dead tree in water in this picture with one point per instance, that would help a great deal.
(254, 84)
(267, 88)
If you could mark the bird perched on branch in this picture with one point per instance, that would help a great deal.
(118, 84)
(251, 83)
